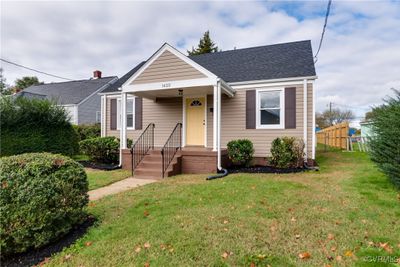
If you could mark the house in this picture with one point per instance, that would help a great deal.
(366, 130)
(80, 98)
(181, 111)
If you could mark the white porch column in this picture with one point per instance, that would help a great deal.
(215, 109)
(123, 120)
(305, 110)
(219, 126)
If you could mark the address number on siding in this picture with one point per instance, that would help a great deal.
(165, 85)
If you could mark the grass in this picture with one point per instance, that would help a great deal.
(348, 210)
(99, 178)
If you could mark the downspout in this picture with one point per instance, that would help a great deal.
(120, 133)
(222, 172)
(305, 110)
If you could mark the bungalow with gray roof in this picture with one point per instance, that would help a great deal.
(181, 111)
(80, 98)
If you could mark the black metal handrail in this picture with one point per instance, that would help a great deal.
(172, 145)
(143, 144)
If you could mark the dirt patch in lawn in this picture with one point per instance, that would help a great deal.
(36, 256)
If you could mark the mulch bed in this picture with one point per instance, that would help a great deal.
(36, 256)
(99, 166)
(263, 169)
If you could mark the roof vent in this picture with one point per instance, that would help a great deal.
(96, 74)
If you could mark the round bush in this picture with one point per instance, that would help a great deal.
(240, 151)
(287, 152)
(42, 197)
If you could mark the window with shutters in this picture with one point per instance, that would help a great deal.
(130, 113)
(270, 108)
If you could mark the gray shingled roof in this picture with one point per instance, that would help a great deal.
(114, 87)
(287, 60)
(277, 61)
(69, 92)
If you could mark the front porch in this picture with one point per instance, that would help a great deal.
(188, 160)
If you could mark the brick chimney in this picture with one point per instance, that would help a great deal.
(96, 74)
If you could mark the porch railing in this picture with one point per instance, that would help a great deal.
(143, 144)
(172, 145)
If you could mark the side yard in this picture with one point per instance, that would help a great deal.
(341, 216)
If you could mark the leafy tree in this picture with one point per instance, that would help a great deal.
(369, 115)
(385, 140)
(26, 81)
(334, 116)
(4, 87)
(206, 45)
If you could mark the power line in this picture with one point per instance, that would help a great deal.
(323, 30)
(42, 72)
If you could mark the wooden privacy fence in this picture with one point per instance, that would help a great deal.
(336, 135)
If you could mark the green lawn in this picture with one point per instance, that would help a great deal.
(98, 178)
(346, 211)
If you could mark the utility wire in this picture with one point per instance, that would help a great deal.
(42, 72)
(323, 30)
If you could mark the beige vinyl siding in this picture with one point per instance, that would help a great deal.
(168, 67)
(234, 123)
(165, 114)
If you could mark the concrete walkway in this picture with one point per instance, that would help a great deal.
(118, 187)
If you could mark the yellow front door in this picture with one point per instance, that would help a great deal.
(195, 121)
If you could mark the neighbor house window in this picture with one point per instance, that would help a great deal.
(130, 115)
(270, 109)
(98, 116)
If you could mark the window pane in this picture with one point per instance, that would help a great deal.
(129, 120)
(270, 99)
(129, 106)
(270, 116)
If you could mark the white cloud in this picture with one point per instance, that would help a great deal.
(357, 66)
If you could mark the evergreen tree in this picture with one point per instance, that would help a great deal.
(206, 45)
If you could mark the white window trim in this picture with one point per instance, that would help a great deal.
(282, 109)
(119, 113)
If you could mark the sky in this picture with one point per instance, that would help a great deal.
(357, 66)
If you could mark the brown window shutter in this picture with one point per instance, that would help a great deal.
(290, 108)
(251, 109)
(138, 113)
(113, 111)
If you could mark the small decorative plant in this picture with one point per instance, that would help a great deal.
(287, 152)
(241, 151)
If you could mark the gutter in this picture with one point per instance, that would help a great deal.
(274, 80)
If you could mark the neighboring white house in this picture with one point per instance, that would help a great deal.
(79, 98)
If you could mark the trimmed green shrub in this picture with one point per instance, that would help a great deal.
(42, 197)
(287, 152)
(240, 151)
(35, 125)
(385, 141)
(87, 131)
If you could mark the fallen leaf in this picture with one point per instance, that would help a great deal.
(252, 264)
(333, 249)
(147, 245)
(327, 265)
(225, 222)
(293, 219)
(138, 249)
(371, 244)
(297, 236)
(225, 255)
(92, 204)
(304, 255)
(337, 223)
(386, 247)
(146, 213)
(364, 221)
(163, 247)
(253, 187)
(339, 258)
(67, 257)
(331, 236)
(147, 264)
(226, 229)
(348, 253)
(88, 244)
